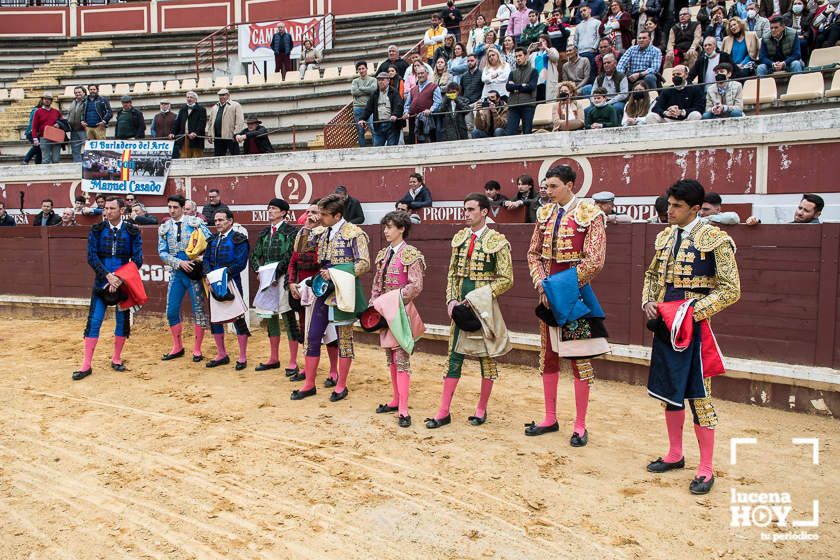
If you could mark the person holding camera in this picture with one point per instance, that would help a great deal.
(490, 116)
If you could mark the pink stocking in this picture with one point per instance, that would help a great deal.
(243, 347)
(90, 346)
(332, 352)
(293, 353)
(310, 370)
(394, 401)
(449, 385)
(674, 420)
(550, 395)
(581, 404)
(177, 343)
(199, 338)
(486, 388)
(706, 439)
(119, 342)
(403, 383)
(343, 372)
(221, 352)
(274, 349)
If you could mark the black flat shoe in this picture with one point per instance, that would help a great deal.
(579, 441)
(701, 485)
(292, 371)
(264, 367)
(335, 397)
(178, 354)
(198, 358)
(330, 382)
(383, 408)
(533, 430)
(117, 367)
(405, 421)
(299, 376)
(217, 363)
(660, 466)
(433, 423)
(298, 394)
(240, 365)
(81, 374)
(477, 420)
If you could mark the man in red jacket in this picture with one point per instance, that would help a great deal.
(45, 116)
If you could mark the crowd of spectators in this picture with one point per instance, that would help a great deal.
(613, 53)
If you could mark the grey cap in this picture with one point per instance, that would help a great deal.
(126, 99)
(223, 91)
(383, 76)
(603, 196)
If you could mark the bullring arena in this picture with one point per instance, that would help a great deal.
(171, 459)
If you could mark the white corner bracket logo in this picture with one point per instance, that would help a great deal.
(772, 509)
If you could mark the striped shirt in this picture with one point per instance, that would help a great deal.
(635, 60)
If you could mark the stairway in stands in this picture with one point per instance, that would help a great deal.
(46, 77)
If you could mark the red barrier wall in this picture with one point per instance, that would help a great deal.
(115, 18)
(789, 310)
(183, 15)
(35, 22)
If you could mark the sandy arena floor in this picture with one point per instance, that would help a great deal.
(172, 460)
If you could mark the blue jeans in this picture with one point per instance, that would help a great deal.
(732, 113)
(763, 69)
(357, 116)
(478, 133)
(524, 113)
(385, 134)
(96, 315)
(593, 70)
(179, 285)
(50, 151)
(77, 140)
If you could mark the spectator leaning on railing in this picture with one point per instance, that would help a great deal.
(384, 108)
(522, 90)
(361, 89)
(418, 195)
(725, 97)
(679, 103)
(255, 138)
(570, 112)
(189, 128)
(223, 122)
(130, 121)
(44, 117)
(638, 106)
(6, 219)
(490, 116)
(163, 123)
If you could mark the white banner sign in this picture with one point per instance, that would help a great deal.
(255, 38)
(126, 166)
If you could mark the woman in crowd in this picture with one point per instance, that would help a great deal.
(441, 76)
(742, 46)
(507, 53)
(397, 83)
(569, 114)
(480, 51)
(446, 50)
(503, 15)
(457, 65)
(495, 74)
(310, 57)
(477, 33)
(652, 27)
(544, 59)
(648, 9)
(618, 26)
(799, 18)
(638, 105)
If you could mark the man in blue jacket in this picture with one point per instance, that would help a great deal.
(780, 50)
(96, 114)
(282, 45)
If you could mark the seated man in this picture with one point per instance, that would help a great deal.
(601, 114)
(678, 103)
(779, 50)
(726, 97)
(683, 41)
(605, 200)
(490, 116)
(493, 191)
(711, 211)
(704, 69)
(402, 206)
(808, 211)
(612, 81)
(641, 61)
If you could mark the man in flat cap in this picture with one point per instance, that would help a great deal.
(605, 200)
(386, 106)
(223, 120)
(130, 121)
(255, 138)
(274, 247)
(163, 124)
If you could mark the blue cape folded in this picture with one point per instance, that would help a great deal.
(567, 301)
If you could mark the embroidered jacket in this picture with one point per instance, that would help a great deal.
(490, 263)
(348, 245)
(704, 268)
(275, 248)
(230, 251)
(303, 264)
(106, 251)
(563, 240)
(172, 244)
(405, 270)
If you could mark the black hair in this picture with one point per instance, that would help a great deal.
(492, 184)
(226, 211)
(214, 191)
(525, 179)
(177, 198)
(100, 195)
(48, 200)
(452, 86)
(816, 199)
(689, 191)
(361, 63)
(562, 172)
(599, 91)
(332, 203)
(661, 204)
(724, 66)
(398, 219)
(120, 202)
(483, 201)
(777, 19)
(713, 198)
(520, 49)
(417, 176)
(81, 198)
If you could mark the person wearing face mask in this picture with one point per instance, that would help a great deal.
(679, 103)
(703, 69)
(189, 128)
(637, 107)
(756, 23)
(826, 24)
(798, 19)
(570, 113)
(779, 50)
(725, 97)
(601, 114)
(453, 117)
(739, 9)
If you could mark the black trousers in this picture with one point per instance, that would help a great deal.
(222, 147)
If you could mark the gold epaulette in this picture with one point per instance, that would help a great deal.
(710, 237)
(412, 254)
(317, 230)
(460, 238)
(585, 212)
(351, 231)
(381, 254)
(662, 238)
(493, 242)
(544, 212)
